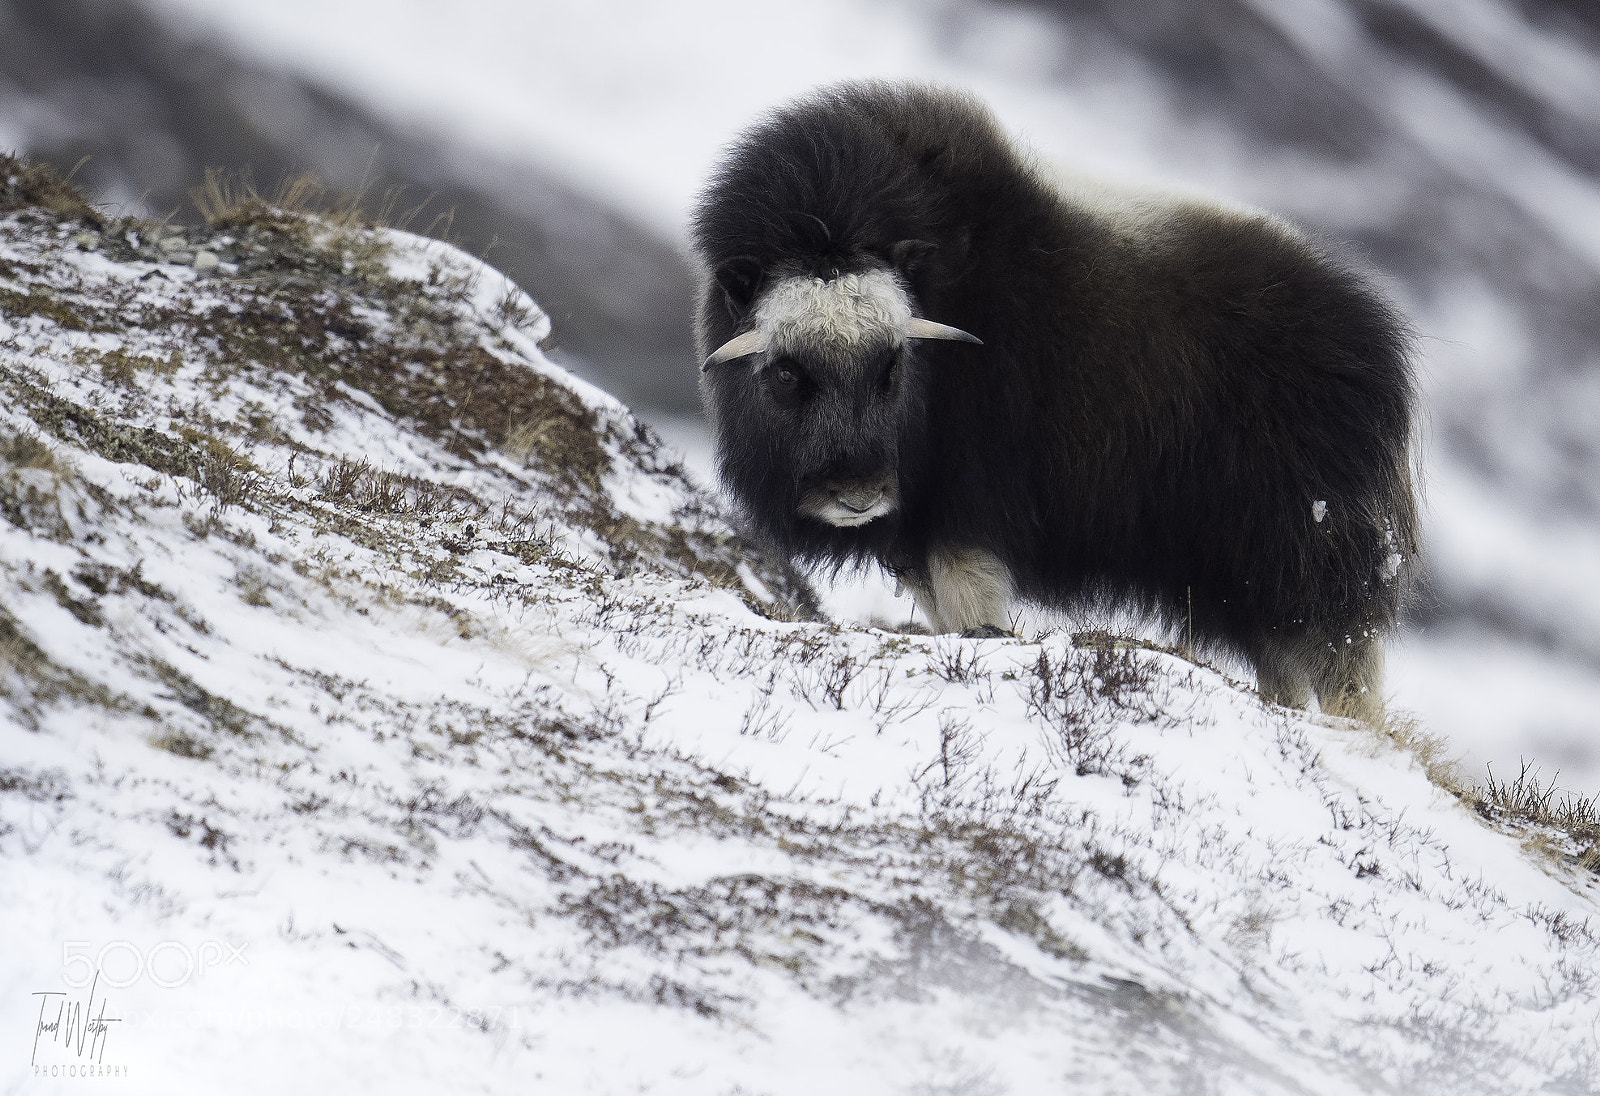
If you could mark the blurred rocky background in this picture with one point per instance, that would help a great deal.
(142, 112)
(1456, 143)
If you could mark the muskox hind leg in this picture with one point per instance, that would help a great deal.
(1349, 679)
(966, 590)
(1345, 674)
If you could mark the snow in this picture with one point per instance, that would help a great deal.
(576, 823)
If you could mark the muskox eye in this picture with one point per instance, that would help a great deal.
(787, 383)
(887, 380)
(785, 376)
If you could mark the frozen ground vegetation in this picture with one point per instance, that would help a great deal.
(343, 631)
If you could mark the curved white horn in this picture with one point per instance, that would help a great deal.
(740, 346)
(927, 329)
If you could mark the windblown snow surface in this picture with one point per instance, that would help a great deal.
(385, 711)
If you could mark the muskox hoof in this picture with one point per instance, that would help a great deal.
(987, 631)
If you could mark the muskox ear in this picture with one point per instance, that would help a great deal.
(738, 278)
(909, 255)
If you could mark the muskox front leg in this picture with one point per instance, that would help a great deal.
(966, 590)
(1282, 674)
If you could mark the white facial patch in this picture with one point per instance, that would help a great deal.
(848, 509)
(848, 313)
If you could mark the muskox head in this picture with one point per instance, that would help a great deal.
(814, 400)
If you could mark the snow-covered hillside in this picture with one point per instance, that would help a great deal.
(384, 711)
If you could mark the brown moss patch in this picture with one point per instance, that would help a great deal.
(128, 370)
(219, 711)
(125, 444)
(28, 450)
(183, 744)
(40, 302)
(31, 681)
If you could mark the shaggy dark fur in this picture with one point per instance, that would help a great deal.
(1162, 396)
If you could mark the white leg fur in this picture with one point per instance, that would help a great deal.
(968, 588)
(1346, 678)
(1282, 679)
(1351, 684)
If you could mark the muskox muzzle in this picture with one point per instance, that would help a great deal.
(850, 501)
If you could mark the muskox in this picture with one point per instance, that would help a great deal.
(920, 352)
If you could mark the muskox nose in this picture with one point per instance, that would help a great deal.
(860, 500)
(851, 502)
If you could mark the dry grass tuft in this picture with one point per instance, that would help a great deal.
(1560, 825)
(1524, 801)
(183, 744)
(561, 437)
(24, 184)
(1531, 802)
(226, 200)
(229, 479)
(1403, 731)
(376, 491)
